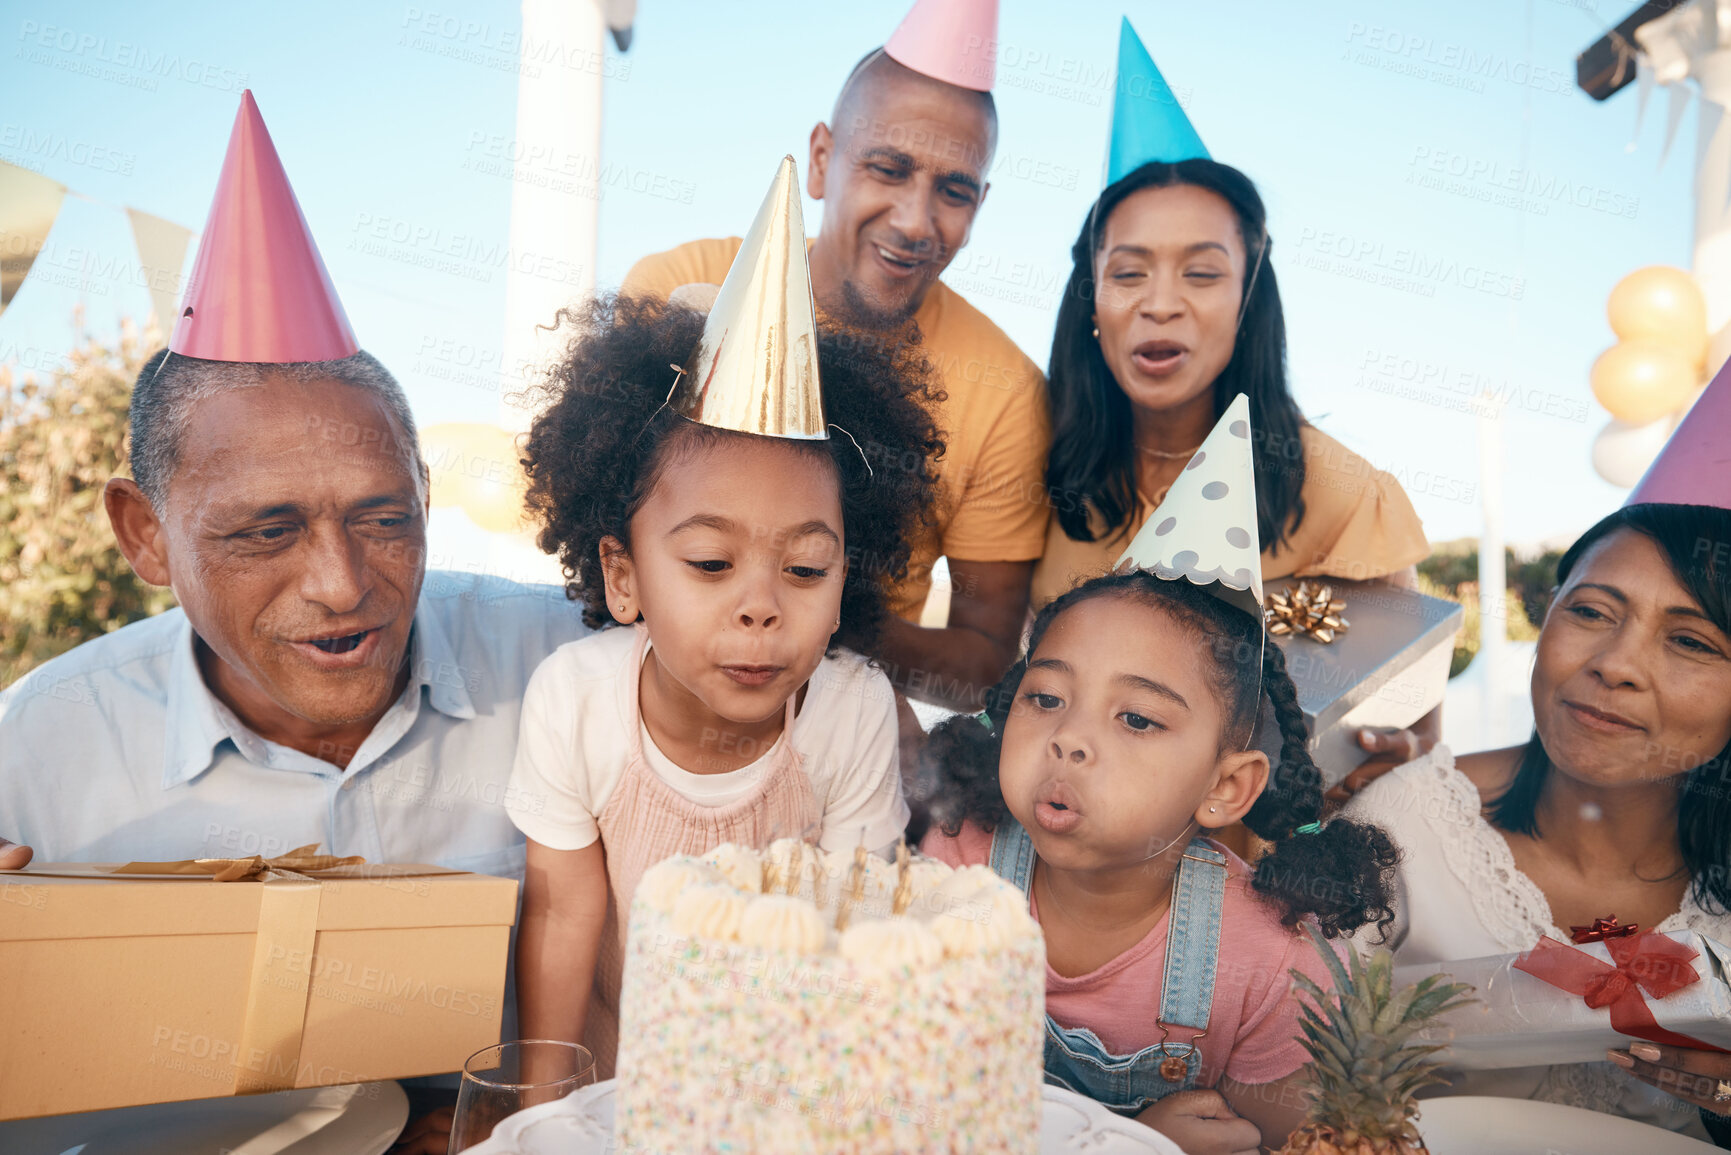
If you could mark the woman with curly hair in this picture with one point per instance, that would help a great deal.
(722, 570)
(1106, 755)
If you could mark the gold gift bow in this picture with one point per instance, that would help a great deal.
(1308, 609)
(299, 863)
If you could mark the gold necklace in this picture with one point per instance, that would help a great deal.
(1167, 455)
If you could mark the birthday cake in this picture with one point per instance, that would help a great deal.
(798, 1001)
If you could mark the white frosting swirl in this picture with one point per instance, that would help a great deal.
(963, 890)
(880, 878)
(709, 912)
(664, 882)
(927, 873)
(976, 926)
(887, 943)
(976, 876)
(1010, 910)
(782, 922)
(740, 865)
(974, 910)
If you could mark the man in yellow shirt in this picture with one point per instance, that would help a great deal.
(901, 170)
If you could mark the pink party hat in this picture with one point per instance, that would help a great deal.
(258, 291)
(955, 41)
(1694, 468)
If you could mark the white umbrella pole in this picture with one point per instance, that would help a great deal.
(553, 230)
(1493, 576)
(1712, 257)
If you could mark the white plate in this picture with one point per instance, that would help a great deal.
(582, 1124)
(1485, 1125)
(357, 1119)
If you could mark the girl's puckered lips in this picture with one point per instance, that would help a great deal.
(1057, 807)
(753, 675)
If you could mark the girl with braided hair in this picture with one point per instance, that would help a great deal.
(1101, 764)
(1123, 732)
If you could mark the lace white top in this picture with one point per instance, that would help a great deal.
(1462, 896)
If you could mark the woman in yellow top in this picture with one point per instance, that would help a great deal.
(1172, 310)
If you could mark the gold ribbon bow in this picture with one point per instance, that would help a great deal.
(1308, 609)
(300, 862)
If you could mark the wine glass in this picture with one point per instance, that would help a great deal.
(505, 1078)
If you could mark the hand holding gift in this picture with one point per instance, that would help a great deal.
(1691, 1074)
(1389, 749)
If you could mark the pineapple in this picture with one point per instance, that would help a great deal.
(1362, 1072)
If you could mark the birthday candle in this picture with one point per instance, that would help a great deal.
(904, 895)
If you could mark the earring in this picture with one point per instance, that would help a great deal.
(621, 607)
(1096, 332)
(1211, 810)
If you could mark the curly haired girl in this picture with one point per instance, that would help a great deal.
(1090, 780)
(726, 711)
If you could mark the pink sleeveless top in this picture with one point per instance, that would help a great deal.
(646, 820)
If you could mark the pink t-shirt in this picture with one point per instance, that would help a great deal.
(1252, 1031)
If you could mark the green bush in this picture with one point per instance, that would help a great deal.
(62, 577)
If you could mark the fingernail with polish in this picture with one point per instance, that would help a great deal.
(1646, 1052)
(1622, 1060)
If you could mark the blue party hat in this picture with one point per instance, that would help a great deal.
(1148, 123)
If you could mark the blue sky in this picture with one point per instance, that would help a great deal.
(1449, 212)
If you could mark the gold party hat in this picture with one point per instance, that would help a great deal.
(755, 371)
(1205, 529)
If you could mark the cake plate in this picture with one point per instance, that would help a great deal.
(582, 1124)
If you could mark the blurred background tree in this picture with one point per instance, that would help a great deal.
(62, 577)
(1452, 572)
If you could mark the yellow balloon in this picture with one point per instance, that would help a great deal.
(475, 467)
(1641, 381)
(452, 450)
(495, 502)
(1663, 304)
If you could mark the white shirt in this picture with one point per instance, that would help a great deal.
(577, 716)
(1461, 896)
(118, 751)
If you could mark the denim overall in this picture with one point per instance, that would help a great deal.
(1075, 1057)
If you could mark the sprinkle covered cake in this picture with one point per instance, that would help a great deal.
(798, 1001)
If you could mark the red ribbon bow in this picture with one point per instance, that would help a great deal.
(1645, 962)
(1602, 929)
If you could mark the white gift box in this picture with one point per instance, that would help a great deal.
(1521, 1020)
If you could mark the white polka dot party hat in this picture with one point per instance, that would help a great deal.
(1205, 530)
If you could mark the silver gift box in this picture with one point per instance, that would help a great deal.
(1389, 668)
(1522, 1021)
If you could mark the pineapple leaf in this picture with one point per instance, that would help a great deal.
(1364, 1066)
(1341, 980)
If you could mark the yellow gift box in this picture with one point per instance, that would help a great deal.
(158, 982)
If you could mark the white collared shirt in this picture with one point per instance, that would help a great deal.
(118, 751)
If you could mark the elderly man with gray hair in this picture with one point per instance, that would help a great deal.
(316, 683)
